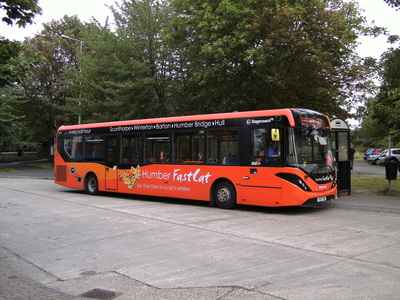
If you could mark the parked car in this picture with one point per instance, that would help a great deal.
(368, 153)
(373, 158)
(385, 156)
(372, 151)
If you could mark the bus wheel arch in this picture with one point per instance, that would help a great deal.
(91, 184)
(223, 194)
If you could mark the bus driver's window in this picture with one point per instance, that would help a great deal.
(264, 151)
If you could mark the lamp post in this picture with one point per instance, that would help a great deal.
(80, 50)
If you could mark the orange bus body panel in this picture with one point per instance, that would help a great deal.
(254, 185)
(193, 182)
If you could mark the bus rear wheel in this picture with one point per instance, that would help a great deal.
(92, 185)
(225, 195)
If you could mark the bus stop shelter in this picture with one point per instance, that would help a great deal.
(341, 146)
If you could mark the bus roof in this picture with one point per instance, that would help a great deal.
(288, 112)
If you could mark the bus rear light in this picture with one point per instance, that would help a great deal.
(296, 180)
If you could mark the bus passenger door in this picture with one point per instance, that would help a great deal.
(111, 161)
(259, 186)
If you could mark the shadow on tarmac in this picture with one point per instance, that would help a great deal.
(286, 210)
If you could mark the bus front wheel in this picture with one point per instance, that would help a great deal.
(92, 185)
(225, 195)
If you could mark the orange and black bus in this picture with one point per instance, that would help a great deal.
(268, 158)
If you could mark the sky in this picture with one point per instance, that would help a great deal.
(375, 10)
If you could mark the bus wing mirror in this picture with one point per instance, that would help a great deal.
(275, 136)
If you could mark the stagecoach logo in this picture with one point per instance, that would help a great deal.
(256, 122)
(130, 177)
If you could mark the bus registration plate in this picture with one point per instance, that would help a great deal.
(321, 199)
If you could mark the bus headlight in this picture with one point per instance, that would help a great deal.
(296, 180)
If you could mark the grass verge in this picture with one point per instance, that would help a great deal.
(374, 185)
(4, 170)
(42, 165)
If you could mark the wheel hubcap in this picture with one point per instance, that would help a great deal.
(92, 185)
(223, 195)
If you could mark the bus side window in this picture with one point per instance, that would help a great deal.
(182, 147)
(76, 151)
(70, 147)
(93, 148)
(198, 146)
(97, 153)
(223, 147)
(157, 148)
(66, 142)
(131, 149)
(111, 149)
(189, 147)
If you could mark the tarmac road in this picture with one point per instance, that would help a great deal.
(26, 170)
(365, 168)
(146, 248)
(54, 240)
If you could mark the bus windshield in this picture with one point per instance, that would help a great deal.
(309, 150)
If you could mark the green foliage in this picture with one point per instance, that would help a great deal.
(110, 78)
(12, 68)
(15, 131)
(371, 135)
(180, 57)
(385, 108)
(8, 98)
(123, 74)
(393, 3)
(9, 70)
(21, 12)
(245, 55)
(47, 88)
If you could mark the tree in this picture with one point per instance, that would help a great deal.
(21, 12)
(46, 90)
(12, 68)
(393, 3)
(243, 55)
(10, 71)
(124, 73)
(386, 106)
(110, 78)
(8, 98)
(372, 133)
